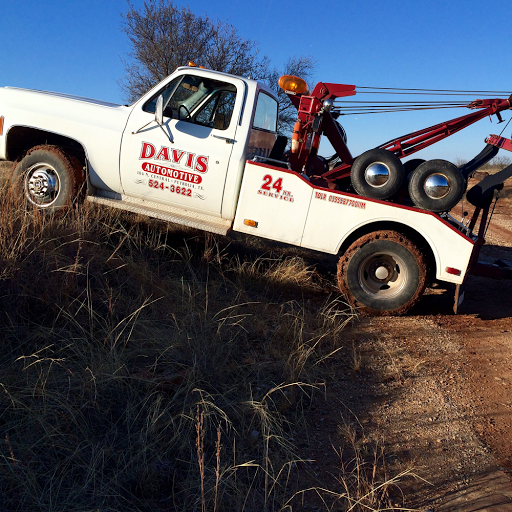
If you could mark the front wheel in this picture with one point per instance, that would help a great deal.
(382, 273)
(48, 178)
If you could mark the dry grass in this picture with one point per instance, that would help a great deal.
(150, 368)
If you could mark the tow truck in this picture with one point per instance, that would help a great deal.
(201, 149)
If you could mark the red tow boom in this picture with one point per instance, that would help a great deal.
(315, 119)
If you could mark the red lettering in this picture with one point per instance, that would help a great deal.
(177, 155)
(163, 154)
(172, 173)
(148, 150)
(202, 164)
(190, 160)
(348, 202)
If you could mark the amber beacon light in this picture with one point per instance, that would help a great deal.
(293, 84)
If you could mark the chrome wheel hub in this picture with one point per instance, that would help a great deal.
(383, 275)
(41, 185)
(377, 174)
(437, 186)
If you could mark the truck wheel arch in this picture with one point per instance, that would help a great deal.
(21, 139)
(414, 236)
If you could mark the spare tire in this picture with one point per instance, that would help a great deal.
(411, 165)
(377, 174)
(436, 185)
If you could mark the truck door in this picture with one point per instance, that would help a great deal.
(184, 162)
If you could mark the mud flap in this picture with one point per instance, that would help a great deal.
(459, 297)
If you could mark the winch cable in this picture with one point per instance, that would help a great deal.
(447, 92)
(497, 196)
(352, 107)
(501, 133)
(378, 109)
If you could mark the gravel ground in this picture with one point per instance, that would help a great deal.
(433, 390)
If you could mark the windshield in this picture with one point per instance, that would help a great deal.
(197, 100)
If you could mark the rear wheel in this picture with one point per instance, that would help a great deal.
(382, 273)
(48, 178)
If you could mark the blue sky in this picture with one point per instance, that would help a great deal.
(78, 47)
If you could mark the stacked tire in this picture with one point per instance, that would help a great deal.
(377, 174)
(435, 185)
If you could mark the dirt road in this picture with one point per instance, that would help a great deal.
(434, 390)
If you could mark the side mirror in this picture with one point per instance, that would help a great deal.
(159, 110)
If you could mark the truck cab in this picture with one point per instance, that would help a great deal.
(193, 156)
(192, 159)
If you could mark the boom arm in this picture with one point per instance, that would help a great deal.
(314, 119)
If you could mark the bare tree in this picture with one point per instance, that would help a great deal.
(302, 67)
(164, 37)
(499, 162)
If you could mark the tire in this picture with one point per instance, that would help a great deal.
(48, 178)
(402, 196)
(411, 165)
(437, 186)
(377, 174)
(382, 273)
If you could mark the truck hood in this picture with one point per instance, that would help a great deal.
(61, 95)
(60, 113)
(93, 124)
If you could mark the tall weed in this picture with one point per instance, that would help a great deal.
(147, 367)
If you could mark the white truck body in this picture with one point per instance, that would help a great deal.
(322, 219)
(202, 175)
(97, 126)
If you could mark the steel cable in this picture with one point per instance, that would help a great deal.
(448, 92)
(346, 106)
(347, 112)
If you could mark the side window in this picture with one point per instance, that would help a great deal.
(265, 117)
(196, 99)
(218, 111)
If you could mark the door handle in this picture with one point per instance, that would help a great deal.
(227, 139)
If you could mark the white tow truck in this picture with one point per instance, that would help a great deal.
(199, 149)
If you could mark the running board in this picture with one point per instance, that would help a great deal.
(163, 212)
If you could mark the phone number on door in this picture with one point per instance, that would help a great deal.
(184, 191)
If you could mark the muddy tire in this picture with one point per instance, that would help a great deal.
(377, 174)
(436, 186)
(382, 273)
(48, 178)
